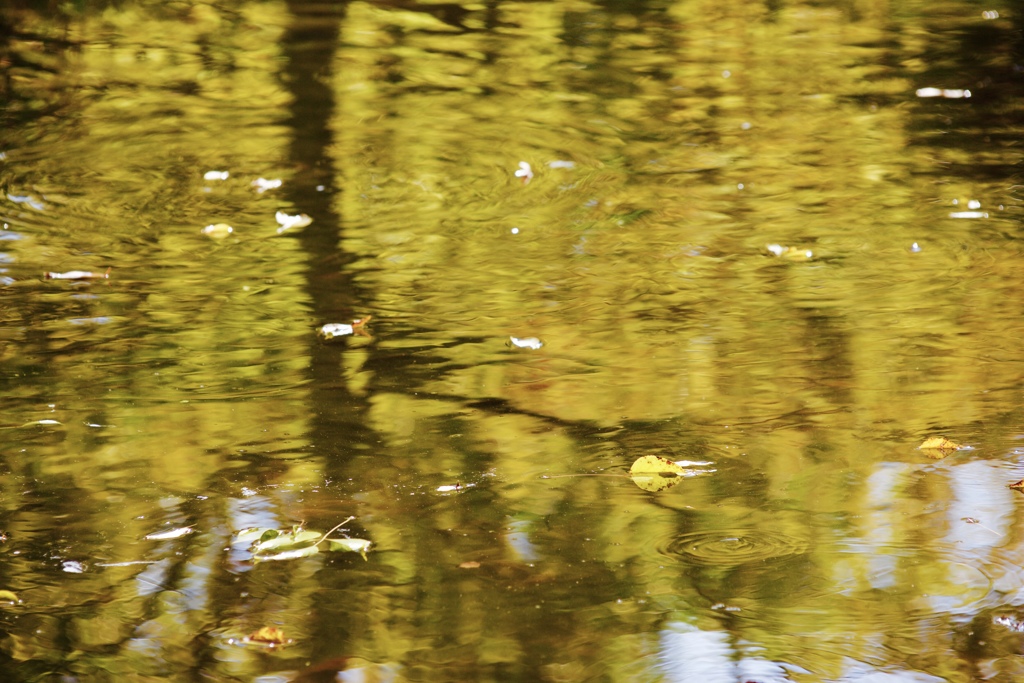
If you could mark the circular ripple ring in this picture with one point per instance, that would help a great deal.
(733, 547)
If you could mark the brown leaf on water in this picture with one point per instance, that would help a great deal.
(268, 635)
(1019, 485)
(938, 446)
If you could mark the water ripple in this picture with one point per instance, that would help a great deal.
(734, 547)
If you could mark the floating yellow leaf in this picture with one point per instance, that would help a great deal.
(938, 447)
(8, 596)
(653, 473)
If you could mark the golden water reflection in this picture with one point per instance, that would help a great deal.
(738, 235)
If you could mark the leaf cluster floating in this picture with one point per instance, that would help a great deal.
(938, 447)
(289, 544)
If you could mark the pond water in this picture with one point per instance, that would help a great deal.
(774, 245)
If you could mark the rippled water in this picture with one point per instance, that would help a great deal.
(774, 245)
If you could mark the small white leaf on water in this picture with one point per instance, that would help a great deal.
(332, 330)
(172, 533)
(526, 342)
(76, 275)
(263, 184)
(73, 567)
(969, 214)
(288, 222)
(216, 175)
(525, 172)
(950, 94)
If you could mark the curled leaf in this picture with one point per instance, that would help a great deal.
(1018, 485)
(169, 534)
(41, 422)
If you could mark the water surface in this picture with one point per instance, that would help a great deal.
(777, 241)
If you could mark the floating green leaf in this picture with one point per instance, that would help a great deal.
(289, 544)
(289, 539)
(250, 534)
(355, 545)
(290, 554)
